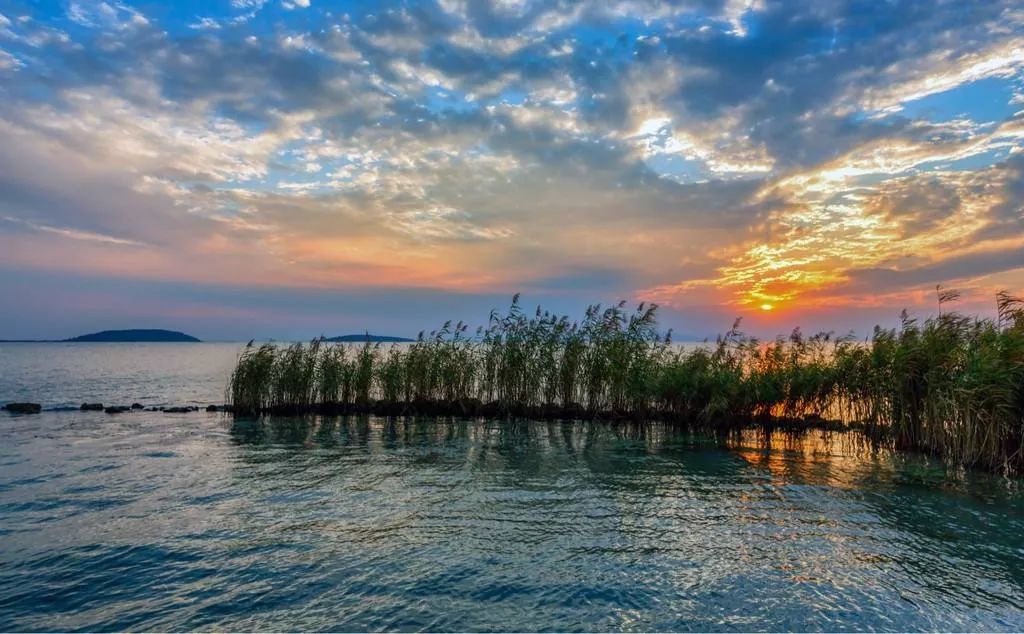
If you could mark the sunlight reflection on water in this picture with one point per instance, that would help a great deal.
(195, 522)
(181, 522)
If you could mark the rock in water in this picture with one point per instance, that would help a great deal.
(117, 409)
(92, 407)
(23, 408)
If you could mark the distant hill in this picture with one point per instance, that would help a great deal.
(367, 338)
(109, 336)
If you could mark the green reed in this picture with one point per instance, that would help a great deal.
(951, 385)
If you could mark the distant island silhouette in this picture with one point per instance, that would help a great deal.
(173, 336)
(366, 337)
(134, 336)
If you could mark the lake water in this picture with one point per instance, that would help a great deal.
(152, 521)
(62, 375)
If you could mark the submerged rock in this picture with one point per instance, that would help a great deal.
(92, 407)
(138, 406)
(177, 410)
(23, 408)
(118, 409)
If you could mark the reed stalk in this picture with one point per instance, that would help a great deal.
(951, 385)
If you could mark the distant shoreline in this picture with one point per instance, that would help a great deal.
(169, 336)
(368, 338)
(135, 335)
(124, 341)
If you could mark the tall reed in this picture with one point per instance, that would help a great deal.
(951, 384)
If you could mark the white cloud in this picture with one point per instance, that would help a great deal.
(74, 234)
(9, 62)
(941, 71)
(99, 14)
(205, 24)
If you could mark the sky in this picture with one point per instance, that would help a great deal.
(290, 168)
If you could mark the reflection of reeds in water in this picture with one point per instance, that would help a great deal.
(837, 458)
(951, 385)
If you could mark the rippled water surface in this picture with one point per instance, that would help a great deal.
(151, 521)
(61, 375)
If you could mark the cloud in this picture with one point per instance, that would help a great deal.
(74, 234)
(98, 14)
(947, 271)
(9, 62)
(705, 154)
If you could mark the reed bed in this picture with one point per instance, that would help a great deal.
(951, 385)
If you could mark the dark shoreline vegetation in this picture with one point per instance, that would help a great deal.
(136, 335)
(368, 338)
(951, 386)
(145, 335)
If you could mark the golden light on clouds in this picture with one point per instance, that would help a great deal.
(879, 208)
(652, 170)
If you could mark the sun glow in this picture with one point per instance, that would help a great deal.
(767, 307)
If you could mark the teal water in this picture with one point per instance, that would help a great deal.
(151, 521)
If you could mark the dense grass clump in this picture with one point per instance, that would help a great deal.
(951, 385)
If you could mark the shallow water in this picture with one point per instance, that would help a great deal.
(61, 375)
(151, 521)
